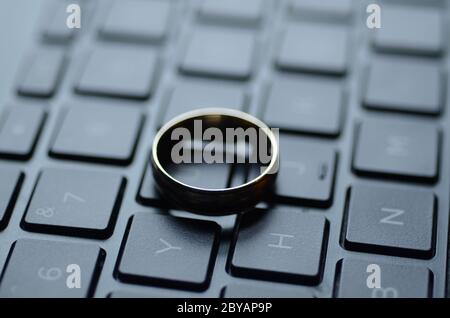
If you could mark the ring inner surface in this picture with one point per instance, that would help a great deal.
(214, 151)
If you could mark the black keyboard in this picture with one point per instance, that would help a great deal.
(365, 153)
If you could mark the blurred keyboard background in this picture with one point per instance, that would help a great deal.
(365, 153)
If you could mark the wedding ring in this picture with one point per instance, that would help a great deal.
(221, 201)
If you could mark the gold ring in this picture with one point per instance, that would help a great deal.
(222, 201)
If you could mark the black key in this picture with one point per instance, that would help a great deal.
(428, 3)
(281, 245)
(120, 71)
(42, 73)
(190, 95)
(165, 250)
(137, 20)
(10, 184)
(126, 294)
(192, 174)
(49, 269)
(305, 104)
(55, 27)
(148, 194)
(391, 220)
(398, 149)
(220, 52)
(208, 176)
(405, 84)
(332, 10)
(398, 34)
(153, 293)
(234, 12)
(314, 47)
(218, 177)
(102, 133)
(20, 131)
(257, 291)
(397, 280)
(75, 202)
(306, 175)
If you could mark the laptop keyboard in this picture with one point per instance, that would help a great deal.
(364, 147)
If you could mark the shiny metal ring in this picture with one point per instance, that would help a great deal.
(222, 201)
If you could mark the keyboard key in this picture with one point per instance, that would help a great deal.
(41, 268)
(148, 194)
(190, 95)
(280, 245)
(220, 52)
(20, 131)
(55, 28)
(100, 133)
(340, 10)
(42, 73)
(397, 280)
(391, 220)
(398, 149)
(405, 84)
(133, 75)
(126, 294)
(234, 12)
(10, 184)
(313, 47)
(219, 176)
(257, 291)
(428, 3)
(161, 249)
(306, 175)
(398, 34)
(192, 174)
(154, 293)
(137, 20)
(305, 104)
(75, 202)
